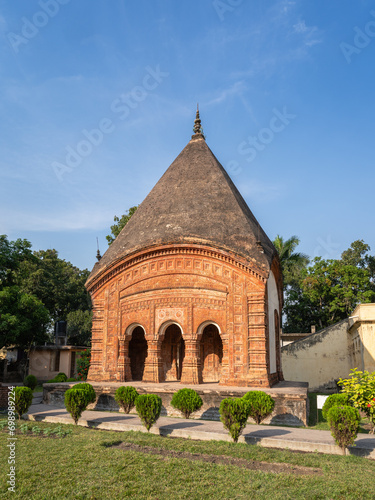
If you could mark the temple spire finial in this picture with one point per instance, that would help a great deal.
(197, 124)
(98, 256)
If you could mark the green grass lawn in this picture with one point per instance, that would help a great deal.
(85, 466)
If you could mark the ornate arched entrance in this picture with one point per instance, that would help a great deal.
(211, 353)
(137, 353)
(172, 352)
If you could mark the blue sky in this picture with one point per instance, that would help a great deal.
(97, 98)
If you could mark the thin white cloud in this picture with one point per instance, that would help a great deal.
(236, 89)
(311, 34)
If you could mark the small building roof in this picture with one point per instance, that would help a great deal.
(195, 201)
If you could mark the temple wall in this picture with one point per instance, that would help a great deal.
(191, 288)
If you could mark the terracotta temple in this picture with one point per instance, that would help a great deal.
(191, 289)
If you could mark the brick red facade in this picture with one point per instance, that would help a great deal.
(216, 302)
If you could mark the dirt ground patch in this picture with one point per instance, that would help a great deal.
(276, 468)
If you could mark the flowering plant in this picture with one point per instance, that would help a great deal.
(83, 364)
(360, 388)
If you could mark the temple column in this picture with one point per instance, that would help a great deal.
(258, 374)
(153, 371)
(124, 373)
(191, 368)
(224, 377)
(121, 359)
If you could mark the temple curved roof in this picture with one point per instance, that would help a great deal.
(195, 201)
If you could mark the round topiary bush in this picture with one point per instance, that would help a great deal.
(76, 401)
(260, 405)
(91, 394)
(60, 377)
(23, 397)
(234, 414)
(187, 401)
(334, 400)
(30, 381)
(148, 407)
(125, 397)
(344, 423)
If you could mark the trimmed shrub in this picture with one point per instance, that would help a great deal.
(234, 414)
(125, 397)
(91, 394)
(187, 401)
(23, 397)
(335, 400)
(148, 407)
(260, 405)
(60, 377)
(72, 379)
(76, 401)
(344, 423)
(30, 381)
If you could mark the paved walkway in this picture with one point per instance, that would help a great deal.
(293, 438)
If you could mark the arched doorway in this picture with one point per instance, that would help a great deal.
(211, 354)
(137, 353)
(172, 353)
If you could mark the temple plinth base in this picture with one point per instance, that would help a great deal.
(291, 407)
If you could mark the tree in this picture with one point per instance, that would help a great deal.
(12, 254)
(329, 290)
(120, 223)
(79, 327)
(292, 263)
(36, 289)
(23, 318)
(57, 283)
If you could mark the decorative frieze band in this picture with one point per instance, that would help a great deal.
(122, 266)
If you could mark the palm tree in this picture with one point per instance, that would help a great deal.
(291, 262)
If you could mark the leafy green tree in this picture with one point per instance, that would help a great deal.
(120, 223)
(79, 327)
(329, 290)
(12, 254)
(23, 318)
(292, 263)
(36, 289)
(57, 283)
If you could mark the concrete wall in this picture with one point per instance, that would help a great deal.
(319, 359)
(362, 332)
(42, 361)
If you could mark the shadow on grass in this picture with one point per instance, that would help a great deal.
(109, 444)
